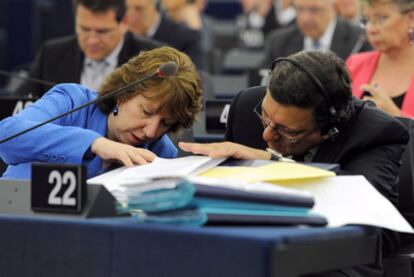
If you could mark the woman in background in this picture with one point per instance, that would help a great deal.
(386, 75)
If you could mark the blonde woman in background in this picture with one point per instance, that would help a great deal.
(386, 75)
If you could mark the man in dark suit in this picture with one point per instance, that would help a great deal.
(101, 44)
(317, 28)
(261, 17)
(145, 20)
(307, 112)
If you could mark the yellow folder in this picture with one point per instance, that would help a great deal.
(273, 172)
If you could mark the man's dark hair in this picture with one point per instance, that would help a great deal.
(97, 6)
(291, 86)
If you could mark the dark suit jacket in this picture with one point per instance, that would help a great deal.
(182, 38)
(289, 40)
(243, 126)
(371, 143)
(61, 61)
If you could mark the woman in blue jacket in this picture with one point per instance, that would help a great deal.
(130, 127)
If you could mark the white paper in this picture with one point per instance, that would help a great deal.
(353, 200)
(159, 168)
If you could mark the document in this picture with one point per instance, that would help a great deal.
(353, 200)
(272, 172)
(159, 169)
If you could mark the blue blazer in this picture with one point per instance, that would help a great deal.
(66, 140)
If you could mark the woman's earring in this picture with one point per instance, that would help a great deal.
(411, 35)
(116, 111)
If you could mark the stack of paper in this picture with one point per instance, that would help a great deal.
(168, 185)
(239, 202)
(238, 194)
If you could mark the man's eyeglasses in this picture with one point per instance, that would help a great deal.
(293, 136)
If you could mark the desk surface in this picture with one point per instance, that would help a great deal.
(39, 246)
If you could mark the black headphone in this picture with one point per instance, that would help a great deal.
(332, 131)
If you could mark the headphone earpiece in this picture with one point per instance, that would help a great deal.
(331, 131)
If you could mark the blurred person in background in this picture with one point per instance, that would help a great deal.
(385, 76)
(144, 19)
(317, 28)
(101, 44)
(348, 9)
(184, 11)
(259, 17)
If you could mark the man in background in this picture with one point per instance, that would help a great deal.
(317, 28)
(146, 20)
(260, 17)
(101, 44)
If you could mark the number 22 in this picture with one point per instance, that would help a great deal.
(56, 178)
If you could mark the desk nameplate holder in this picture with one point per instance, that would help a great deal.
(58, 188)
(216, 111)
(16, 195)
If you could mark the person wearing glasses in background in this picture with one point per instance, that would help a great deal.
(308, 113)
(100, 45)
(386, 75)
(317, 28)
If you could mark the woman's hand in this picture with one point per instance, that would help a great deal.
(129, 155)
(225, 149)
(382, 100)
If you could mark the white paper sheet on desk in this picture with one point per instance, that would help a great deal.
(159, 168)
(353, 200)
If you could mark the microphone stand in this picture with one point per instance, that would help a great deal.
(27, 78)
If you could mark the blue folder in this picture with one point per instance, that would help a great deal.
(214, 192)
(196, 204)
(233, 212)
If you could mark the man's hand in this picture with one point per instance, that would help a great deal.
(111, 150)
(225, 149)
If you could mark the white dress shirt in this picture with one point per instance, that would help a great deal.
(324, 41)
(94, 72)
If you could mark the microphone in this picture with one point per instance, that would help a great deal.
(165, 70)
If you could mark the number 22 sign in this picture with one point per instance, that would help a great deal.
(58, 188)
